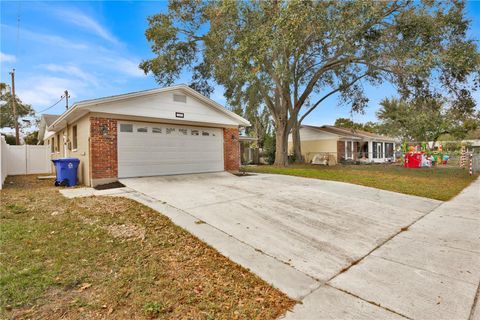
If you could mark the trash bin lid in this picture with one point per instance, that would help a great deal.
(68, 160)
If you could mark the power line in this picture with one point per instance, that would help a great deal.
(17, 45)
(53, 105)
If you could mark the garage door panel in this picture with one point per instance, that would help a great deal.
(158, 153)
(171, 169)
(168, 158)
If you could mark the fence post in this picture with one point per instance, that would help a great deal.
(462, 157)
(471, 164)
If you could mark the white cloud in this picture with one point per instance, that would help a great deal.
(70, 70)
(7, 57)
(127, 66)
(86, 22)
(44, 91)
(48, 39)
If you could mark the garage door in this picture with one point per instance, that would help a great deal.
(163, 149)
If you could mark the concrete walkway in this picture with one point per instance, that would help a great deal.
(430, 271)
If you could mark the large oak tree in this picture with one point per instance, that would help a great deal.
(427, 119)
(290, 56)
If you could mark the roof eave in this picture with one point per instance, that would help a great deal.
(88, 103)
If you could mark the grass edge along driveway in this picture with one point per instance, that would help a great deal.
(105, 257)
(442, 183)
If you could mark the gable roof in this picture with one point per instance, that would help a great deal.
(83, 107)
(350, 133)
(50, 118)
(45, 121)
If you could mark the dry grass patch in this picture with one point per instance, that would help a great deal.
(103, 257)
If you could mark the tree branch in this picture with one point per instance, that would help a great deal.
(328, 95)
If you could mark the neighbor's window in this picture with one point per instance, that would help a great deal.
(52, 145)
(195, 133)
(349, 150)
(58, 143)
(126, 127)
(142, 129)
(156, 130)
(388, 150)
(170, 130)
(74, 137)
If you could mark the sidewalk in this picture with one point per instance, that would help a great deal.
(430, 271)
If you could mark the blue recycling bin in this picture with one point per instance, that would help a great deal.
(66, 169)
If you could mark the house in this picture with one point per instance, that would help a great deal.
(334, 144)
(164, 131)
(45, 121)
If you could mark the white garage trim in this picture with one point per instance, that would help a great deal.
(151, 149)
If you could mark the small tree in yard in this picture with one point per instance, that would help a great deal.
(290, 56)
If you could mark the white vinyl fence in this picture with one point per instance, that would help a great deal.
(23, 159)
(3, 160)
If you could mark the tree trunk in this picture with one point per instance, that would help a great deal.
(281, 148)
(297, 149)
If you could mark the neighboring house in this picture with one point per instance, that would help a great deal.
(45, 121)
(165, 131)
(335, 144)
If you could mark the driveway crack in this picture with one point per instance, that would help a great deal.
(370, 302)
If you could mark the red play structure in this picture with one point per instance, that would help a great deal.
(413, 159)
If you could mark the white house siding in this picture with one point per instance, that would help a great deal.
(162, 106)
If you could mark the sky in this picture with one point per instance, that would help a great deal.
(93, 49)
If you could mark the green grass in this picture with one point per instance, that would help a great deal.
(441, 183)
(59, 257)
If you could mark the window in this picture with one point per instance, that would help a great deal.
(74, 137)
(170, 130)
(52, 145)
(377, 150)
(126, 127)
(205, 133)
(195, 133)
(184, 131)
(180, 98)
(156, 130)
(58, 143)
(142, 129)
(349, 150)
(388, 150)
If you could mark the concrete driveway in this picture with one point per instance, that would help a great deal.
(317, 228)
(345, 251)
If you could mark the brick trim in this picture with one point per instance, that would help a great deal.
(103, 148)
(231, 149)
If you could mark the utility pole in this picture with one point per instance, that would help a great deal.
(14, 107)
(66, 98)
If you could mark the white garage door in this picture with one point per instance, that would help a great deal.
(164, 149)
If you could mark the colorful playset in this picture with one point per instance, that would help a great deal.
(423, 158)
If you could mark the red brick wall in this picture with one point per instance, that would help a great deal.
(231, 149)
(340, 150)
(103, 148)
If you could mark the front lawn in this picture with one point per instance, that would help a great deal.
(104, 257)
(441, 183)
